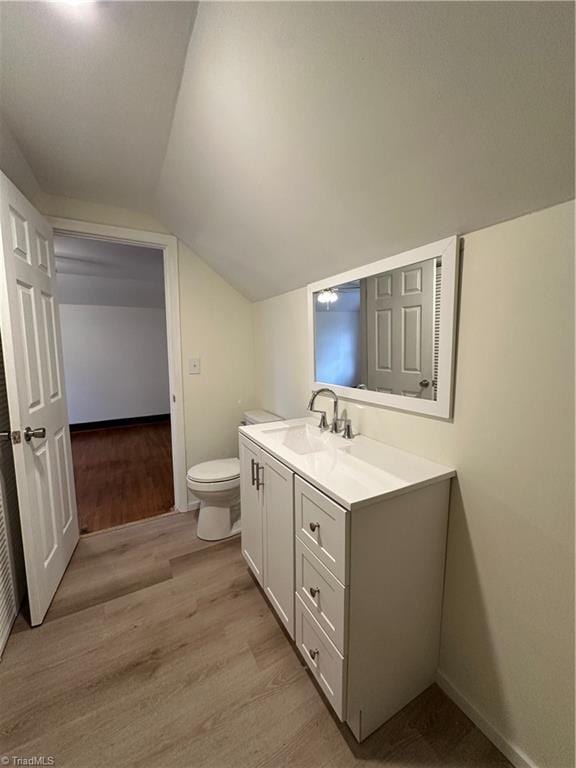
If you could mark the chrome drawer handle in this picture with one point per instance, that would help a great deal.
(314, 526)
(313, 653)
(314, 591)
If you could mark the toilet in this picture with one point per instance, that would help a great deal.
(216, 484)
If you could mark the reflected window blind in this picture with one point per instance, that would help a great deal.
(436, 340)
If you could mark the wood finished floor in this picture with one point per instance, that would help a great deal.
(122, 474)
(159, 650)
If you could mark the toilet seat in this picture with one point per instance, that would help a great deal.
(221, 474)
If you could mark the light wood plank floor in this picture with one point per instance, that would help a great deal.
(160, 651)
(122, 474)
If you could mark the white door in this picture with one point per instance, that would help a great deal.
(30, 327)
(279, 538)
(251, 506)
(400, 331)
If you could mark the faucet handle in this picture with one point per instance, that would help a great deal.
(347, 432)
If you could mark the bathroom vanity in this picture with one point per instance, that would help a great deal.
(347, 539)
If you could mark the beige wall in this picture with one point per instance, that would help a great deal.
(95, 213)
(216, 323)
(507, 643)
(14, 164)
(280, 338)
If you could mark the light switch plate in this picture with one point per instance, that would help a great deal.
(193, 366)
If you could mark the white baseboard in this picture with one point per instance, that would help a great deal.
(193, 506)
(510, 750)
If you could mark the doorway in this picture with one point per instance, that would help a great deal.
(115, 350)
(135, 459)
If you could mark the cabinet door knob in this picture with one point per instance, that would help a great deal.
(314, 591)
(314, 526)
(313, 653)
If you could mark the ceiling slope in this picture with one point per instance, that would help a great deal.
(310, 138)
(89, 91)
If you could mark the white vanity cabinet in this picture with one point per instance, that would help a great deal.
(251, 508)
(348, 542)
(267, 499)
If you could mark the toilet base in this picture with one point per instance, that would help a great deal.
(217, 523)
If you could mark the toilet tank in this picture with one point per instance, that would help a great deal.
(259, 417)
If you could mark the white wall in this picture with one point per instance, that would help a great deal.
(338, 344)
(507, 641)
(109, 291)
(115, 362)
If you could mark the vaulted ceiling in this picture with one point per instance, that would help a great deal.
(285, 142)
(89, 91)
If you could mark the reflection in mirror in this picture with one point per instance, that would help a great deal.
(382, 332)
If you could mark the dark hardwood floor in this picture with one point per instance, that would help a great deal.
(122, 474)
(159, 650)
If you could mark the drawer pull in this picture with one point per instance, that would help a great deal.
(314, 526)
(314, 591)
(259, 483)
(313, 653)
(252, 468)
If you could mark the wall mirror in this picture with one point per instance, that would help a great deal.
(384, 333)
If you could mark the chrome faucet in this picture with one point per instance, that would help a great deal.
(335, 424)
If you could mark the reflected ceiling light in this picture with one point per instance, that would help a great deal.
(327, 296)
(80, 10)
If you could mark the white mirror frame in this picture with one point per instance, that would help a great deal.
(442, 407)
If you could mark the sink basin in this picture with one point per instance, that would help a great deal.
(354, 473)
(301, 438)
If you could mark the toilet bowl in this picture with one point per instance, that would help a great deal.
(216, 484)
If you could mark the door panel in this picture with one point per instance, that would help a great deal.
(400, 330)
(279, 538)
(251, 508)
(30, 326)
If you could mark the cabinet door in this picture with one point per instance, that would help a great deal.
(279, 538)
(251, 506)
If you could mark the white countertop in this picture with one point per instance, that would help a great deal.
(353, 472)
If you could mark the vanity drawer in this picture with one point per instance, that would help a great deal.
(321, 593)
(326, 664)
(321, 525)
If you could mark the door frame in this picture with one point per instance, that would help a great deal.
(168, 244)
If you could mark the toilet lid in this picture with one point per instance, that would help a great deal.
(213, 471)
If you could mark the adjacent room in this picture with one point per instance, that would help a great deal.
(113, 325)
(287, 384)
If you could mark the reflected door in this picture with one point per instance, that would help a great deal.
(32, 349)
(400, 331)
